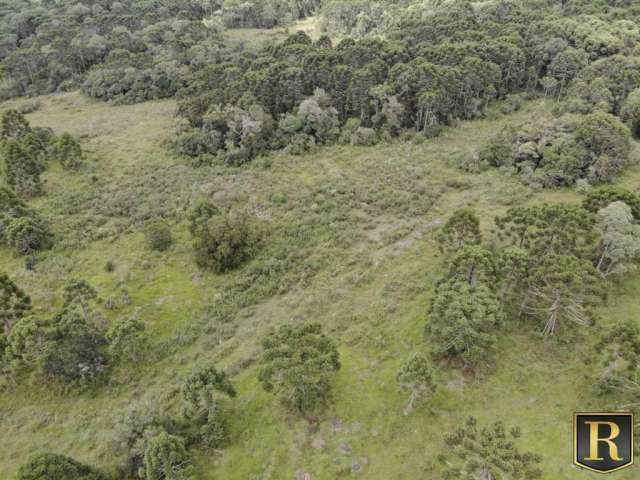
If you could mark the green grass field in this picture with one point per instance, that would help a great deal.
(351, 230)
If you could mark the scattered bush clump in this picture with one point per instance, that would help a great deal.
(158, 235)
(49, 466)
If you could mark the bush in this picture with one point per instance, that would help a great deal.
(49, 466)
(298, 363)
(227, 241)
(158, 235)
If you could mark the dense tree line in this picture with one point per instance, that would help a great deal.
(433, 66)
(127, 50)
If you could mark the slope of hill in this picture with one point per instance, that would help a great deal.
(367, 274)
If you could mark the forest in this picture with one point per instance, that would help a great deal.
(316, 239)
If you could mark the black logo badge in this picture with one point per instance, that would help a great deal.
(603, 442)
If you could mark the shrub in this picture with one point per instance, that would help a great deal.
(158, 235)
(227, 242)
(298, 363)
(49, 466)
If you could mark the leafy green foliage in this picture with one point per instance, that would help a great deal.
(298, 363)
(472, 452)
(49, 466)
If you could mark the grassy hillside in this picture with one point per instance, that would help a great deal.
(349, 243)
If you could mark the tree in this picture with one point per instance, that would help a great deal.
(13, 125)
(417, 377)
(608, 142)
(227, 242)
(68, 152)
(631, 111)
(63, 347)
(127, 339)
(618, 352)
(28, 234)
(601, 197)
(22, 170)
(298, 362)
(158, 235)
(14, 303)
(563, 291)
(49, 466)
(619, 240)
(166, 458)
(200, 215)
(545, 229)
(204, 408)
(473, 264)
(462, 228)
(488, 453)
(461, 321)
(80, 293)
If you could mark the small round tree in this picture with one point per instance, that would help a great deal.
(299, 363)
(49, 466)
(417, 377)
